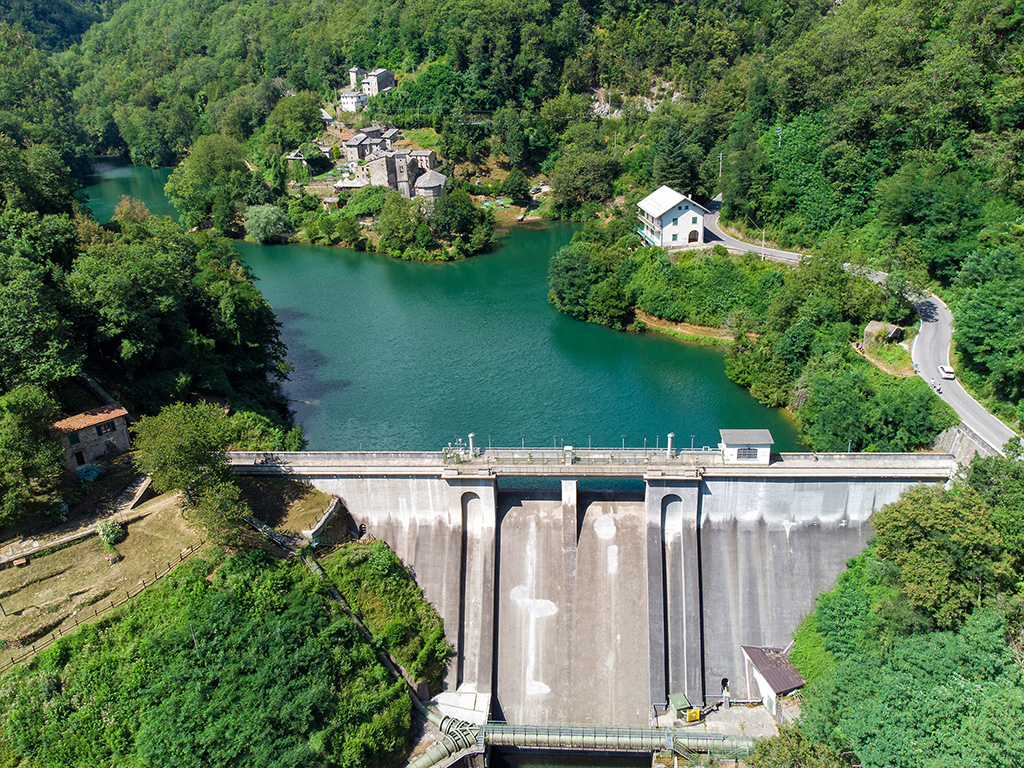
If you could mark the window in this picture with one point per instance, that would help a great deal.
(674, 238)
(694, 219)
(105, 429)
(749, 454)
(73, 438)
(675, 222)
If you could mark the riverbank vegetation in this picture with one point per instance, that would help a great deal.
(930, 612)
(791, 330)
(155, 314)
(239, 661)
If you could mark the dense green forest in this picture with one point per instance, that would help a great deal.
(56, 24)
(240, 661)
(152, 312)
(914, 659)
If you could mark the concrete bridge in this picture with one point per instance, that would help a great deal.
(573, 603)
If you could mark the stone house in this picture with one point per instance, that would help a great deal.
(390, 136)
(670, 219)
(355, 78)
(394, 169)
(378, 81)
(356, 148)
(93, 435)
(425, 158)
(430, 185)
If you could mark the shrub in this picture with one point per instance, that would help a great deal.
(111, 532)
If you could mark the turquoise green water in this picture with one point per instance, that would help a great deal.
(392, 355)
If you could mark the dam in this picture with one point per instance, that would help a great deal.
(578, 603)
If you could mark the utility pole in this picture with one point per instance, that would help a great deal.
(778, 132)
(720, 156)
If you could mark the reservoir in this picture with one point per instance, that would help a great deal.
(394, 355)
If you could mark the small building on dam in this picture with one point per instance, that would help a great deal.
(570, 599)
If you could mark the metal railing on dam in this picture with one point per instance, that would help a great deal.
(586, 462)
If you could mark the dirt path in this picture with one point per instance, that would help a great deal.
(687, 329)
(881, 364)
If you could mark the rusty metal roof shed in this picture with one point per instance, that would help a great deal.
(775, 667)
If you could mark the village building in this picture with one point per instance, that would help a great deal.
(670, 219)
(356, 149)
(425, 158)
(355, 78)
(390, 136)
(430, 185)
(351, 101)
(378, 81)
(93, 435)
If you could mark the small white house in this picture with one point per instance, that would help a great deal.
(670, 219)
(746, 446)
(351, 101)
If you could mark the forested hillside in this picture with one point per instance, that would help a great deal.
(56, 24)
(914, 659)
(153, 313)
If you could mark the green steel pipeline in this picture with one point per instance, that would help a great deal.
(459, 735)
(614, 739)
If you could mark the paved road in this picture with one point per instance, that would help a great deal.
(718, 236)
(930, 348)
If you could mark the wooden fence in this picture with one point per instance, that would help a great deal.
(84, 616)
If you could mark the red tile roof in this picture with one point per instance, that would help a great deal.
(91, 418)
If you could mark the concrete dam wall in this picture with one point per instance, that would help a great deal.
(581, 606)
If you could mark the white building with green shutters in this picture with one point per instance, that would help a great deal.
(670, 219)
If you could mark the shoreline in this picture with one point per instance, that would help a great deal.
(705, 335)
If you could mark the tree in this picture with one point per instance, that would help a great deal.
(36, 341)
(947, 549)
(184, 447)
(208, 183)
(262, 222)
(397, 223)
(294, 121)
(790, 749)
(515, 185)
(30, 453)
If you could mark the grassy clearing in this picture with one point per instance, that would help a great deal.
(51, 590)
(894, 358)
(282, 503)
(425, 138)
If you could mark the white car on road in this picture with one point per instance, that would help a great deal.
(946, 372)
